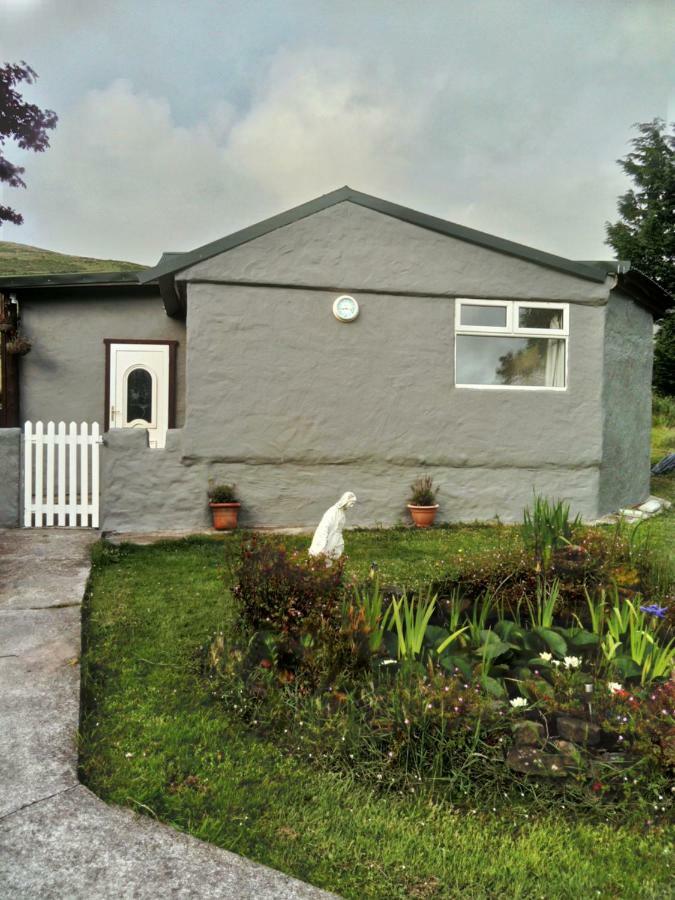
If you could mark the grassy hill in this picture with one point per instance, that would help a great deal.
(22, 259)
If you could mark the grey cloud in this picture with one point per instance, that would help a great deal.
(180, 122)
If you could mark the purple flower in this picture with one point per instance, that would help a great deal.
(654, 610)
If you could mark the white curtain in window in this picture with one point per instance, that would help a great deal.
(555, 359)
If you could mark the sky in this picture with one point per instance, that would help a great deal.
(181, 121)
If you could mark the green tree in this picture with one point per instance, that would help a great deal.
(645, 233)
(24, 123)
(664, 357)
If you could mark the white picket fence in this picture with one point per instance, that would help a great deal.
(61, 475)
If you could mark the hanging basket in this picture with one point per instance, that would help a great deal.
(19, 346)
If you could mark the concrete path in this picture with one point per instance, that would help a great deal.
(57, 839)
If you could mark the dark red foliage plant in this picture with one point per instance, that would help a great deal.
(289, 593)
(25, 123)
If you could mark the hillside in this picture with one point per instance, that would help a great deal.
(22, 259)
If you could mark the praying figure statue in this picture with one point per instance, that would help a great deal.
(327, 540)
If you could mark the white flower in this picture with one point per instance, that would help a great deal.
(572, 662)
(555, 662)
(518, 702)
(388, 662)
(614, 686)
(547, 657)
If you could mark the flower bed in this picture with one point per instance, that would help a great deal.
(545, 671)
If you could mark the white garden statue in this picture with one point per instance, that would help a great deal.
(327, 540)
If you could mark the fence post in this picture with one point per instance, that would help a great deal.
(61, 477)
(49, 499)
(39, 484)
(72, 475)
(84, 474)
(95, 441)
(28, 474)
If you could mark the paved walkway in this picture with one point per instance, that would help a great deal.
(57, 839)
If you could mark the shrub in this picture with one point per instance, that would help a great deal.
(548, 528)
(663, 411)
(664, 357)
(423, 492)
(287, 593)
(222, 493)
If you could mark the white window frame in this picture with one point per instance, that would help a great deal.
(483, 329)
(512, 329)
(541, 332)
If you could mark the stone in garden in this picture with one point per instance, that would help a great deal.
(651, 506)
(566, 747)
(328, 540)
(532, 761)
(578, 730)
(529, 734)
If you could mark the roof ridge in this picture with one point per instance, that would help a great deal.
(168, 266)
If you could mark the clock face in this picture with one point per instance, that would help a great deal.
(345, 308)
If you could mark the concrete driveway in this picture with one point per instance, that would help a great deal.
(57, 839)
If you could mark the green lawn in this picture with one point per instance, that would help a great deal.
(155, 739)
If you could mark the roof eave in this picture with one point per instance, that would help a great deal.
(82, 279)
(173, 265)
(647, 293)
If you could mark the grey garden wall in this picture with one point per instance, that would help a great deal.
(63, 377)
(10, 477)
(148, 490)
(625, 471)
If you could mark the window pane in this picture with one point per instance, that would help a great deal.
(535, 317)
(529, 362)
(139, 395)
(493, 316)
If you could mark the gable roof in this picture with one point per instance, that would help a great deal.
(174, 263)
(638, 286)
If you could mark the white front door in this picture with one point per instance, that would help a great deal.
(139, 389)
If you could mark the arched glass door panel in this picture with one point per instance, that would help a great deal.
(139, 396)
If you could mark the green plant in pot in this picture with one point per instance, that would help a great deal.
(18, 345)
(422, 503)
(224, 506)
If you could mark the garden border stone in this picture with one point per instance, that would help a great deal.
(57, 839)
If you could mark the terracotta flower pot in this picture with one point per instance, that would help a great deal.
(423, 516)
(225, 515)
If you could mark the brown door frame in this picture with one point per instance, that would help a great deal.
(172, 374)
(9, 373)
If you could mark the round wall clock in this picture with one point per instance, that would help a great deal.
(345, 308)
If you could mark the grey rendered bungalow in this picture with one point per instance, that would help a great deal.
(347, 344)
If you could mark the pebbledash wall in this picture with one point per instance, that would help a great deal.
(63, 377)
(10, 476)
(295, 407)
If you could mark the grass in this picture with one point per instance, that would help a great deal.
(155, 739)
(663, 427)
(22, 259)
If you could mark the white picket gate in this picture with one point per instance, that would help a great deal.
(61, 475)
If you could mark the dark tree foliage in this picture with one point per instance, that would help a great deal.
(664, 357)
(645, 234)
(22, 122)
